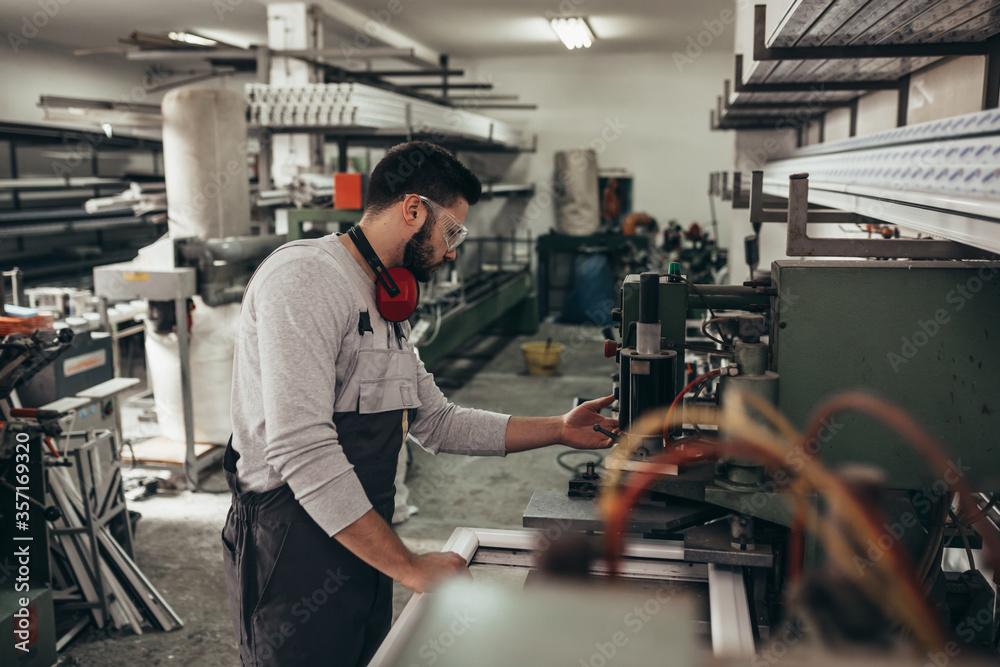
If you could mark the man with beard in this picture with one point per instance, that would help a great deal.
(324, 392)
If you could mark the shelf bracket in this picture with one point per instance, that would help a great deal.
(821, 87)
(760, 214)
(991, 84)
(740, 200)
(800, 244)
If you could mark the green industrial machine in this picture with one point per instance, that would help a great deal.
(921, 335)
(298, 217)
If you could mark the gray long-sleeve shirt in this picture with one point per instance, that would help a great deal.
(297, 337)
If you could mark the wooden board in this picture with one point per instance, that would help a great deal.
(615, 460)
(162, 450)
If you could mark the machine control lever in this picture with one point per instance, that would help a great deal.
(613, 436)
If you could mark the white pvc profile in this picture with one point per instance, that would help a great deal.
(466, 541)
(358, 105)
(732, 633)
(939, 214)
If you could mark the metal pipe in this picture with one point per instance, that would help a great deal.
(187, 401)
(238, 248)
(215, 296)
(727, 297)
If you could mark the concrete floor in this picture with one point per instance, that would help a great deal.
(177, 539)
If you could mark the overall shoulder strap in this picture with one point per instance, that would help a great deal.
(358, 293)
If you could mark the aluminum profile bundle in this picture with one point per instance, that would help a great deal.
(113, 588)
(357, 106)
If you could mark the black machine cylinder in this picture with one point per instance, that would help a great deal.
(647, 383)
(649, 298)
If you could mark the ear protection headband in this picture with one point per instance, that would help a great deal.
(397, 292)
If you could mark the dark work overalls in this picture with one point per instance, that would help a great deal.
(296, 595)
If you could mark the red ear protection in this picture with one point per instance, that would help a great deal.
(399, 307)
(396, 290)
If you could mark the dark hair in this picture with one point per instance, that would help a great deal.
(422, 168)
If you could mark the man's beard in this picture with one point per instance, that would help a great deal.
(419, 256)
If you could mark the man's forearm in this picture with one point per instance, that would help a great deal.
(524, 433)
(372, 540)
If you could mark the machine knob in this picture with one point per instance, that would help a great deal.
(616, 314)
(610, 348)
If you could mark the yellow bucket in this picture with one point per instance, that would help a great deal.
(541, 357)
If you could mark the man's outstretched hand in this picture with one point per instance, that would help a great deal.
(426, 571)
(578, 425)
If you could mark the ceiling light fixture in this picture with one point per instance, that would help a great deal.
(189, 38)
(574, 32)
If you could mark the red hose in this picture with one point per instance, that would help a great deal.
(691, 385)
(52, 448)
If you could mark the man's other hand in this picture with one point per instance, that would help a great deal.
(428, 570)
(578, 425)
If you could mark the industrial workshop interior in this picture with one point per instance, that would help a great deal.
(564, 333)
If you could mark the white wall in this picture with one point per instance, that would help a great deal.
(639, 111)
(40, 69)
(838, 124)
(950, 87)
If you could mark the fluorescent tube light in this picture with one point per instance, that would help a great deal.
(188, 38)
(574, 32)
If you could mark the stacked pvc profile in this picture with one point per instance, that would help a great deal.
(357, 106)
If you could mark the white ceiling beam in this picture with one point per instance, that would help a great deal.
(375, 29)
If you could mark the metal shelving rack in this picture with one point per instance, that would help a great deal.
(941, 177)
(225, 60)
(825, 54)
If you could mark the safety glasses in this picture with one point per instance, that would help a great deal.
(452, 228)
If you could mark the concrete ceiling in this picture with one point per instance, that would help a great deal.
(462, 28)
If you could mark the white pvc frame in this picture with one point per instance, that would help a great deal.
(732, 634)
